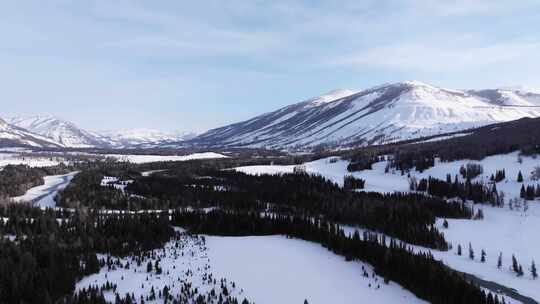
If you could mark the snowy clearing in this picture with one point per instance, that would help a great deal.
(306, 271)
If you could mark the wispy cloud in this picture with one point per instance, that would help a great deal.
(234, 59)
(425, 56)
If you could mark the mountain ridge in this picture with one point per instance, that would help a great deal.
(382, 114)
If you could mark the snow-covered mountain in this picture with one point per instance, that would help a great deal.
(14, 136)
(143, 137)
(382, 114)
(65, 133)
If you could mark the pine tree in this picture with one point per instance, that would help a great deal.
(459, 249)
(523, 192)
(520, 177)
(499, 261)
(471, 252)
(483, 256)
(515, 265)
(534, 274)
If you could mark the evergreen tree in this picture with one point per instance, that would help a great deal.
(483, 256)
(459, 249)
(520, 271)
(520, 177)
(534, 274)
(515, 265)
(499, 261)
(471, 252)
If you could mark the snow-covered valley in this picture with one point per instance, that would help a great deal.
(502, 231)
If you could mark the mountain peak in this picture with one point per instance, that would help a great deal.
(332, 96)
(415, 83)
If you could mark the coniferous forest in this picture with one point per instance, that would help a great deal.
(45, 252)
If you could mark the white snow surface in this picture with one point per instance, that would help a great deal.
(141, 159)
(266, 270)
(32, 161)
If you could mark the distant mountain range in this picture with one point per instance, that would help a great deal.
(50, 131)
(383, 114)
(14, 136)
(341, 118)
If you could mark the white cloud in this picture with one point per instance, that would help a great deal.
(425, 56)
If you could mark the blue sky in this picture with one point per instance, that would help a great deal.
(194, 65)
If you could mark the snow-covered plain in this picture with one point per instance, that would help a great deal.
(43, 196)
(501, 230)
(274, 269)
(141, 159)
(305, 271)
(32, 161)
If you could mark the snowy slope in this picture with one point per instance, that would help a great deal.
(382, 114)
(509, 97)
(63, 132)
(15, 136)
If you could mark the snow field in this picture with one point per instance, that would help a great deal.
(264, 269)
(32, 161)
(141, 159)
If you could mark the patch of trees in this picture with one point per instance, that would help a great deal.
(420, 273)
(361, 161)
(85, 190)
(407, 216)
(47, 258)
(520, 135)
(471, 170)
(499, 176)
(352, 183)
(15, 180)
(407, 160)
(468, 190)
(530, 192)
